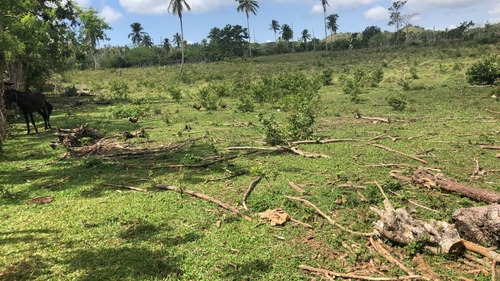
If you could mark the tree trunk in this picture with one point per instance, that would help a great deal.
(398, 226)
(182, 45)
(479, 224)
(427, 179)
(3, 119)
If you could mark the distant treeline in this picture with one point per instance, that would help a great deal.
(220, 46)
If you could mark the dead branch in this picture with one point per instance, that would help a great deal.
(56, 183)
(381, 250)
(301, 223)
(249, 190)
(354, 276)
(400, 153)
(491, 111)
(306, 154)
(375, 119)
(399, 176)
(328, 218)
(204, 197)
(196, 165)
(297, 188)
(493, 271)
(324, 141)
(425, 178)
(126, 187)
(492, 147)
(479, 224)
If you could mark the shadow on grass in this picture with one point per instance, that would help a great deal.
(253, 270)
(125, 263)
(29, 268)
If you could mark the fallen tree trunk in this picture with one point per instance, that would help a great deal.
(479, 224)
(398, 226)
(425, 178)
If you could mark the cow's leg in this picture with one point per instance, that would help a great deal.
(33, 122)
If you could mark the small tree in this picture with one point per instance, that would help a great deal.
(248, 6)
(275, 27)
(397, 19)
(137, 33)
(92, 31)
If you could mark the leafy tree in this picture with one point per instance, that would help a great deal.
(324, 3)
(227, 42)
(92, 31)
(275, 27)
(37, 38)
(137, 33)
(331, 23)
(176, 7)
(369, 32)
(177, 40)
(459, 32)
(397, 19)
(147, 41)
(248, 6)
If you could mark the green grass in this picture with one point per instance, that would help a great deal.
(93, 231)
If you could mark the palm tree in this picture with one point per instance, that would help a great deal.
(332, 23)
(166, 45)
(305, 36)
(177, 39)
(274, 26)
(147, 41)
(176, 7)
(324, 3)
(137, 33)
(286, 34)
(248, 6)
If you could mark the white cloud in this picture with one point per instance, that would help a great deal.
(316, 9)
(377, 13)
(161, 6)
(495, 11)
(424, 5)
(109, 14)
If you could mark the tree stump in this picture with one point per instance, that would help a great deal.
(479, 224)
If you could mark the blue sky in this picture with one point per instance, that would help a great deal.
(354, 16)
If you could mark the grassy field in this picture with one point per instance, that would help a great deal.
(96, 230)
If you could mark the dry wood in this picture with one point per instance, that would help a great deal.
(355, 276)
(297, 188)
(278, 149)
(205, 197)
(491, 111)
(400, 153)
(196, 165)
(493, 271)
(380, 248)
(126, 187)
(249, 190)
(398, 226)
(492, 147)
(479, 224)
(375, 118)
(306, 154)
(425, 178)
(476, 248)
(482, 269)
(301, 223)
(56, 183)
(324, 141)
(328, 218)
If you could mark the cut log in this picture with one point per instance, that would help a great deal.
(398, 226)
(479, 224)
(425, 178)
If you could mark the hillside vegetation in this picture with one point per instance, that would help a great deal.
(102, 226)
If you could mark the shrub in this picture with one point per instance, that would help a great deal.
(208, 98)
(175, 93)
(484, 72)
(397, 102)
(125, 111)
(118, 89)
(273, 133)
(246, 104)
(376, 77)
(327, 77)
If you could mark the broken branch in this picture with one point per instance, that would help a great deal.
(205, 197)
(400, 153)
(249, 190)
(354, 276)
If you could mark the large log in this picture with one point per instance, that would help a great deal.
(479, 224)
(425, 178)
(398, 226)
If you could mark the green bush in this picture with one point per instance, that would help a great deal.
(125, 111)
(175, 93)
(484, 72)
(118, 89)
(397, 102)
(376, 77)
(246, 104)
(208, 98)
(327, 77)
(273, 132)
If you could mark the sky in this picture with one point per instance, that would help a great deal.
(354, 16)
